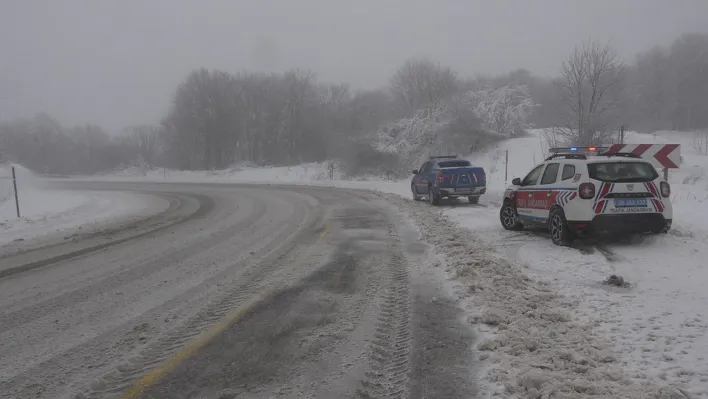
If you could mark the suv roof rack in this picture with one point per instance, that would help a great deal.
(567, 156)
(442, 157)
(583, 152)
(619, 154)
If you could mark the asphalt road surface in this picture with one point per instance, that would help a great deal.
(232, 291)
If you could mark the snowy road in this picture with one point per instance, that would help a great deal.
(243, 291)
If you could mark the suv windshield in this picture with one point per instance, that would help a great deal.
(622, 171)
(453, 164)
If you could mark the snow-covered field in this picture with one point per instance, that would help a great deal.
(604, 339)
(659, 325)
(44, 210)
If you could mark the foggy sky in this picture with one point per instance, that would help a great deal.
(118, 62)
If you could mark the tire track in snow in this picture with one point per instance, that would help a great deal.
(390, 351)
(134, 273)
(254, 280)
(206, 204)
(274, 248)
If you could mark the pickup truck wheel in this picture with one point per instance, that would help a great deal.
(434, 199)
(473, 200)
(416, 197)
(509, 219)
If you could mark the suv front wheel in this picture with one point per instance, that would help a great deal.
(416, 197)
(509, 219)
(558, 227)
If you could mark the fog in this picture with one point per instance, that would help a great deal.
(116, 63)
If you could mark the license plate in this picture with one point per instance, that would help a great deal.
(463, 190)
(630, 203)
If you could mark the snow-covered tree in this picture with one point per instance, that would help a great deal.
(504, 111)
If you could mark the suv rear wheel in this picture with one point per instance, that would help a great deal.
(558, 227)
(434, 199)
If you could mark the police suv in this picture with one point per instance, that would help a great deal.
(581, 190)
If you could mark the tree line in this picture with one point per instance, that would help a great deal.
(217, 118)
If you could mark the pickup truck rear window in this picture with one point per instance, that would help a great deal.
(622, 171)
(453, 164)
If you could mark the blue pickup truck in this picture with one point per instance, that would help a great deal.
(448, 176)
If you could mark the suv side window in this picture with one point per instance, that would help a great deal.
(550, 175)
(428, 167)
(568, 172)
(532, 177)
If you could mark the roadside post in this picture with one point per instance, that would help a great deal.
(14, 187)
(506, 167)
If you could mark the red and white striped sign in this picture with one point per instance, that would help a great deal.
(664, 155)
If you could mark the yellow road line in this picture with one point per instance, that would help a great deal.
(195, 346)
(324, 233)
(202, 340)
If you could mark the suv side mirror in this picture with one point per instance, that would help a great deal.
(415, 171)
(516, 181)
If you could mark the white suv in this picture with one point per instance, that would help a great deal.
(579, 190)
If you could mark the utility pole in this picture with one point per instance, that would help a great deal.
(622, 134)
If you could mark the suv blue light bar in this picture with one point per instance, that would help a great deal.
(443, 157)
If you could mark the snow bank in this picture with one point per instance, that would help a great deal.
(30, 193)
(658, 327)
(45, 210)
(532, 342)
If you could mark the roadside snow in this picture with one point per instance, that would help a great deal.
(44, 211)
(532, 342)
(312, 174)
(657, 327)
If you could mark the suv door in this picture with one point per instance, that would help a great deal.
(545, 197)
(525, 194)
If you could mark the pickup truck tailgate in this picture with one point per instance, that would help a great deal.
(462, 177)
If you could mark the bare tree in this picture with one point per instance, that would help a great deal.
(421, 84)
(202, 119)
(700, 142)
(689, 62)
(145, 139)
(591, 88)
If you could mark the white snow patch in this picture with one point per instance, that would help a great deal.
(657, 328)
(44, 211)
(312, 174)
(531, 341)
